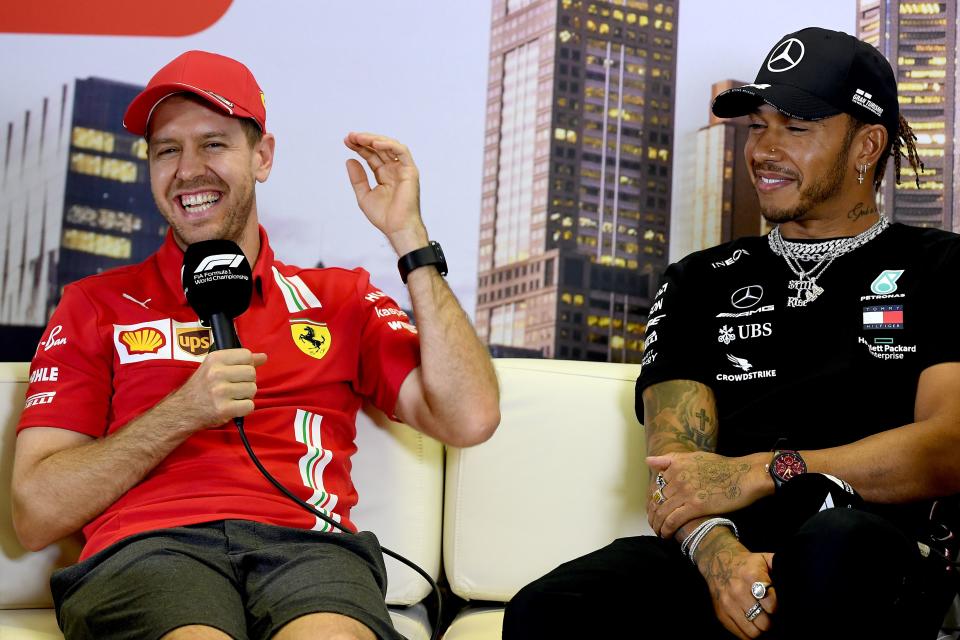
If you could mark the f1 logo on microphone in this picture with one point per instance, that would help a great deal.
(209, 263)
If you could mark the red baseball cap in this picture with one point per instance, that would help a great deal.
(221, 81)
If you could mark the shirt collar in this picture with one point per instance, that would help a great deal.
(170, 263)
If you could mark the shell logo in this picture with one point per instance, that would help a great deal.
(142, 341)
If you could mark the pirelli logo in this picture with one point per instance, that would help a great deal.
(45, 397)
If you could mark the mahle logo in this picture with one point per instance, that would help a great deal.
(886, 282)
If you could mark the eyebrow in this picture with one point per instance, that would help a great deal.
(205, 136)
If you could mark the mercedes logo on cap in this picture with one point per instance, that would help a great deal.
(746, 297)
(786, 56)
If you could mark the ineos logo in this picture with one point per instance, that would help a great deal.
(746, 297)
(786, 56)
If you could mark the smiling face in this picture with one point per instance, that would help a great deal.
(203, 170)
(799, 167)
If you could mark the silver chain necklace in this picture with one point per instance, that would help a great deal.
(822, 253)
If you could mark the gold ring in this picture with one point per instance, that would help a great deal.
(658, 496)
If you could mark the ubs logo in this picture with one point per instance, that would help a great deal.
(746, 297)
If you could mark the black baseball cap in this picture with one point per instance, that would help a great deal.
(815, 73)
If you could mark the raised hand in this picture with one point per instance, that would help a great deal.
(393, 205)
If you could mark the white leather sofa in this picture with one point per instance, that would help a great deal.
(563, 475)
(395, 467)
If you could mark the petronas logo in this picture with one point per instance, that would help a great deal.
(886, 282)
(313, 338)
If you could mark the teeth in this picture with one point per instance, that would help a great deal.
(199, 201)
(771, 180)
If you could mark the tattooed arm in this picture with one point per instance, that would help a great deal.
(680, 416)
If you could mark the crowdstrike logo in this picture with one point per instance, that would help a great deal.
(230, 260)
(786, 56)
(744, 365)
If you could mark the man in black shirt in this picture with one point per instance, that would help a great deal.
(787, 377)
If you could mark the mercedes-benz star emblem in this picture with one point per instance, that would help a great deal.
(746, 297)
(786, 56)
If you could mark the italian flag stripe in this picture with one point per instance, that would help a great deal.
(296, 294)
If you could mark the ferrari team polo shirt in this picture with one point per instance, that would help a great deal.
(121, 341)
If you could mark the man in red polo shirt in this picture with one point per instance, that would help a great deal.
(127, 431)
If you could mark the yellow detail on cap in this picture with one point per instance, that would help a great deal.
(263, 99)
(313, 338)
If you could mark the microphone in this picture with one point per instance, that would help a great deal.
(218, 283)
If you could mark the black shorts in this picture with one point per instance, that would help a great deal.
(244, 578)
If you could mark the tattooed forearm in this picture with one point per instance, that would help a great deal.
(860, 209)
(679, 415)
(717, 557)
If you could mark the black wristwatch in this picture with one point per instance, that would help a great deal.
(785, 465)
(430, 254)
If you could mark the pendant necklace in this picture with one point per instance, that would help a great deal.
(822, 254)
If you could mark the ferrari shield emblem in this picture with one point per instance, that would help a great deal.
(313, 338)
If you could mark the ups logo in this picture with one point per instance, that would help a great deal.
(195, 341)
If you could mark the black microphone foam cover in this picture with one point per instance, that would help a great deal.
(217, 278)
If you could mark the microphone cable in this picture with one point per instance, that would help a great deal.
(309, 507)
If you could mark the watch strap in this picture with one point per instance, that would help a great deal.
(422, 257)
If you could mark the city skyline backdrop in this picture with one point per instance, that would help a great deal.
(307, 205)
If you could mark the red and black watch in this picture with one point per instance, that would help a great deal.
(786, 464)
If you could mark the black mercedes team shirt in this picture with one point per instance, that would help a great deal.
(834, 371)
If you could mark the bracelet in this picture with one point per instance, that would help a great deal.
(698, 534)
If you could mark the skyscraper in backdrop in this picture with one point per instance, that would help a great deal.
(576, 190)
(74, 197)
(721, 204)
(920, 40)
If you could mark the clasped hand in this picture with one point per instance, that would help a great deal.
(697, 484)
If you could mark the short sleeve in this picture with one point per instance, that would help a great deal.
(670, 348)
(71, 373)
(389, 347)
(940, 310)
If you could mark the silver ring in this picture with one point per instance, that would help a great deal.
(759, 589)
(658, 496)
(753, 612)
(660, 481)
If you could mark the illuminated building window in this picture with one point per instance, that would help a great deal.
(109, 168)
(100, 244)
(105, 219)
(93, 139)
(139, 148)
